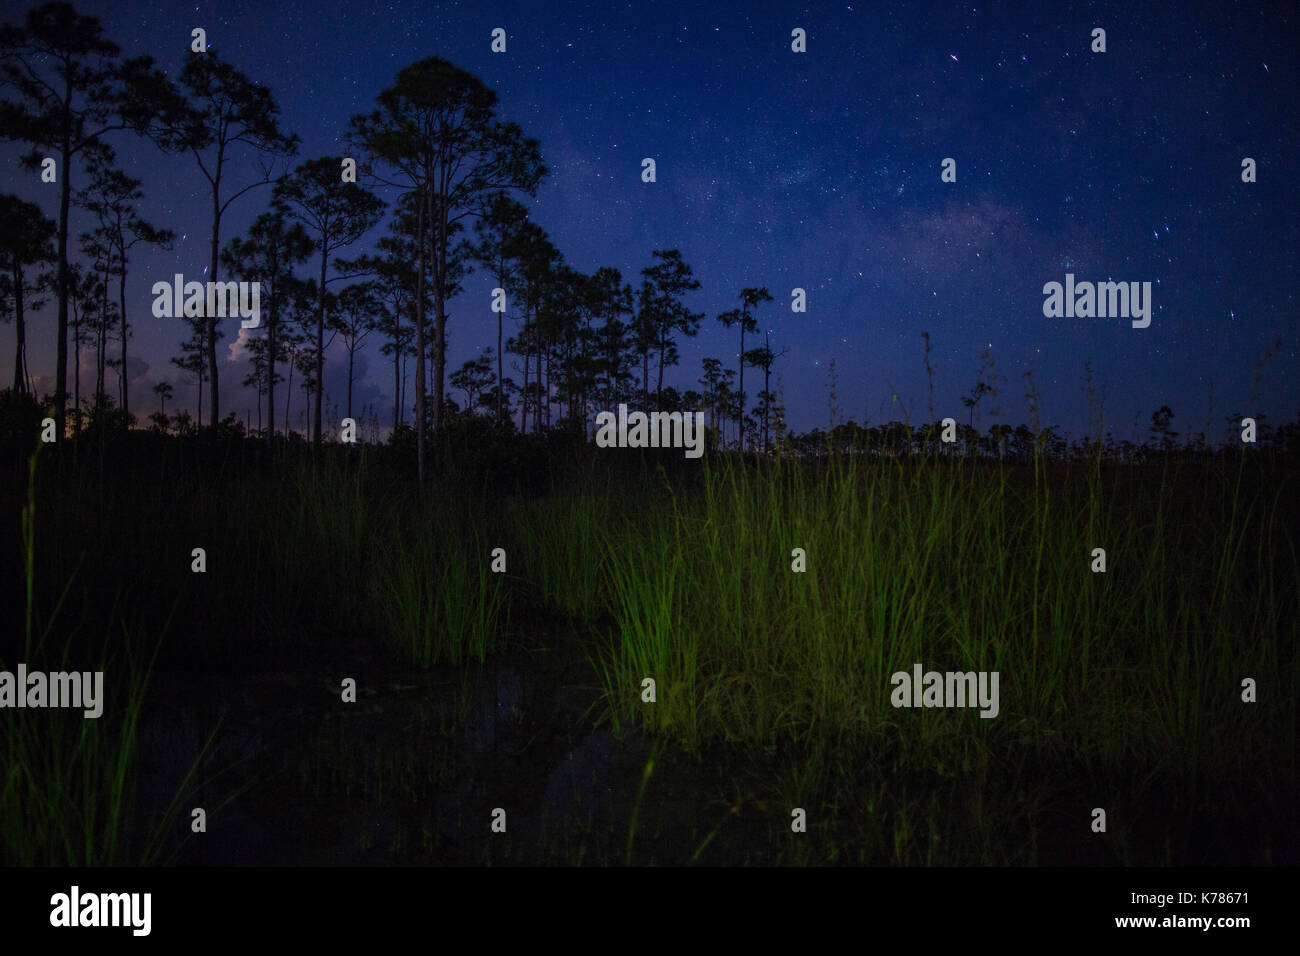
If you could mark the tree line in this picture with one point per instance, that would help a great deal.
(457, 175)
(458, 171)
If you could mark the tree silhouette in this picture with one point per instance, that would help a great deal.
(64, 71)
(216, 110)
(537, 261)
(164, 391)
(358, 308)
(562, 324)
(611, 299)
(710, 380)
(26, 239)
(474, 378)
(498, 229)
(86, 296)
(102, 312)
(111, 197)
(193, 359)
(1160, 428)
(972, 401)
(764, 358)
(300, 315)
(336, 214)
(269, 255)
(436, 133)
(665, 283)
(750, 299)
(394, 290)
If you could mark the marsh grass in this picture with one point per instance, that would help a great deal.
(558, 542)
(1132, 676)
(69, 785)
(965, 567)
(433, 587)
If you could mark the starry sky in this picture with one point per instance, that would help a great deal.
(821, 171)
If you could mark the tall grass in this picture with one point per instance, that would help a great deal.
(434, 591)
(963, 567)
(67, 796)
(1130, 674)
(558, 546)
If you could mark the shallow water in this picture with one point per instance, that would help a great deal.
(412, 772)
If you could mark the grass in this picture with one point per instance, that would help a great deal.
(68, 791)
(1132, 676)
(964, 568)
(435, 592)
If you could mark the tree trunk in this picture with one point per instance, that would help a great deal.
(65, 200)
(744, 315)
(659, 387)
(121, 375)
(419, 349)
(20, 330)
(272, 321)
(76, 373)
(523, 396)
(440, 315)
(541, 396)
(100, 334)
(767, 400)
(320, 339)
(501, 405)
(397, 376)
(211, 321)
(351, 355)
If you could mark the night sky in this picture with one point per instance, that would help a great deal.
(820, 170)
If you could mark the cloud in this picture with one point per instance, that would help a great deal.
(236, 350)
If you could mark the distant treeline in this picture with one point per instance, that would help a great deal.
(479, 433)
